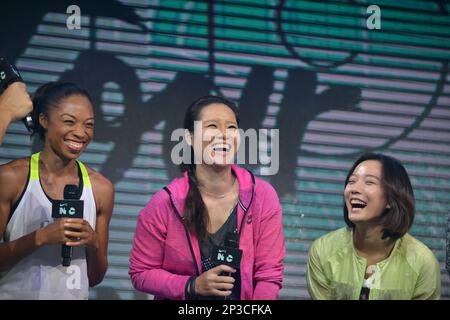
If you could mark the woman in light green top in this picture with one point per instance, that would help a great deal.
(374, 257)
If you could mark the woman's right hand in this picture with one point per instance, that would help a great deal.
(211, 283)
(53, 233)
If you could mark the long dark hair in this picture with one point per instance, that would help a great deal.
(196, 216)
(49, 96)
(397, 219)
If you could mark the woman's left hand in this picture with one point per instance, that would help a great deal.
(81, 232)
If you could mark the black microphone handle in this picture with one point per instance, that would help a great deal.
(10, 74)
(28, 122)
(70, 192)
(66, 254)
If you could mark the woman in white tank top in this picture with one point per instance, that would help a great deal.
(30, 239)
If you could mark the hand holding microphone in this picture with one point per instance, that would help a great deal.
(15, 103)
(76, 230)
(81, 234)
(69, 227)
(219, 280)
(52, 233)
(212, 283)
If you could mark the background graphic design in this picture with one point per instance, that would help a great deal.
(313, 69)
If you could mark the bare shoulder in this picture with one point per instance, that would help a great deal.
(13, 176)
(18, 166)
(99, 182)
(103, 190)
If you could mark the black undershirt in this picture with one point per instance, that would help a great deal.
(206, 248)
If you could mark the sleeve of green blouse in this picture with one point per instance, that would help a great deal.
(318, 284)
(428, 285)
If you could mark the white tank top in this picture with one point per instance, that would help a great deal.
(41, 275)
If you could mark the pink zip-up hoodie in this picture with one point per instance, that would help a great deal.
(162, 262)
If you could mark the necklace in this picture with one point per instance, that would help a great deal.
(218, 196)
(371, 269)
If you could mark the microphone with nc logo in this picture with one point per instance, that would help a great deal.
(70, 207)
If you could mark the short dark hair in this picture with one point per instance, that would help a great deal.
(196, 217)
(48, 96)
(397, 219)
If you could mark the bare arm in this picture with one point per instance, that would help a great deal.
(12, 181)
(14, 251)
(97, 255)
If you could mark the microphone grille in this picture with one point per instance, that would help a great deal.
(70, 191)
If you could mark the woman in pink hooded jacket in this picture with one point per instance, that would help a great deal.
(174, 255)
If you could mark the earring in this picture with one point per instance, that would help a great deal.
(188, 137)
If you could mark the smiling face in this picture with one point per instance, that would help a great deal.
(364, 193)
(216, 135)
(69, 126)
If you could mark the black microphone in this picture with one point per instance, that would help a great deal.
(232, 240)
(8, 75)
(229, 254)
(70, 207)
